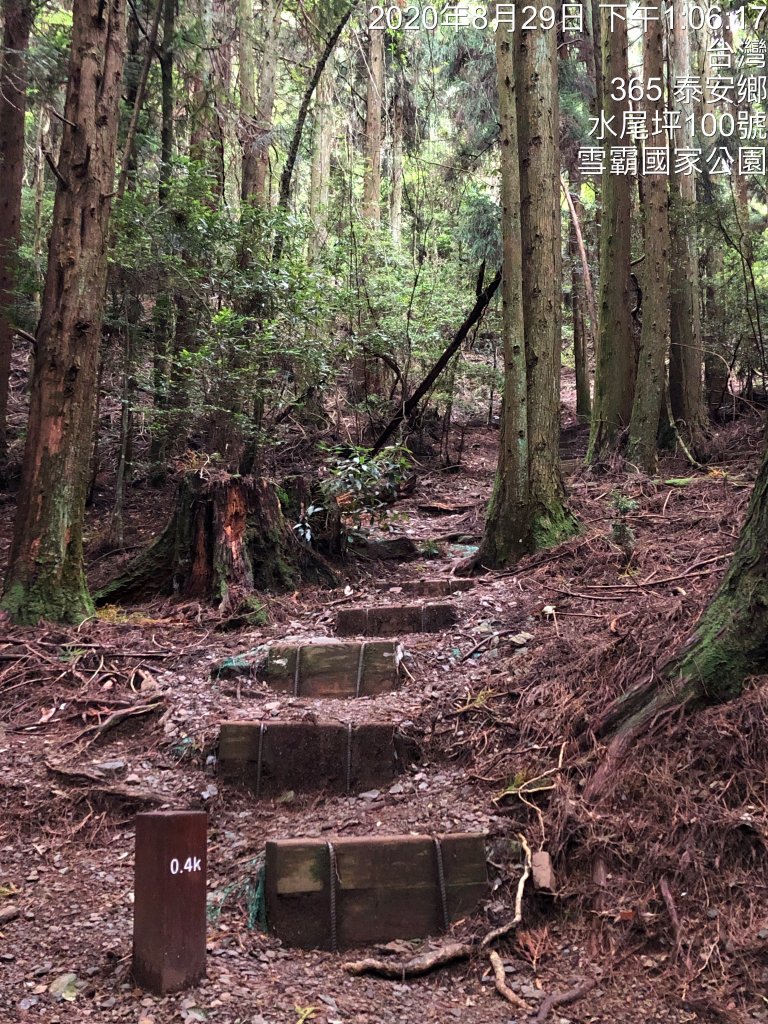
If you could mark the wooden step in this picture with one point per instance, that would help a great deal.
(342, 892)
(389, 620)
(430, 588)
(321, 669)
(272, 757)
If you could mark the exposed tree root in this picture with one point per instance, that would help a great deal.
(501, 985)
(563, 999)
(417, 965)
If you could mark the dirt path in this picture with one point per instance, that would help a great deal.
(475, 701)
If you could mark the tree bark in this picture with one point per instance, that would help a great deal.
(507, 534)
(17, 24)
(686, 350)
(649, 388)
(46, 577)
(373, 126)
(615, 356)
(538, 135)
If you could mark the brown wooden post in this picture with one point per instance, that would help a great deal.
(169, 900)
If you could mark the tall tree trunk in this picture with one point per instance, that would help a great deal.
(320, 183)
(247, 75)
(649, 389)
(206, 142)
(615, 356)
(373, 126)
(580, 335)
(164, 305)
(167, 96)
(128, 161)
(686, 353)
(538, 136)
(46, 577)
(17, 24)
(266, 103)
(507, 533)
(396, 193)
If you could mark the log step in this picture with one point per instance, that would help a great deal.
(327, 669)
(272, 757)
(389, 620)
(342, 892)
(430, 588)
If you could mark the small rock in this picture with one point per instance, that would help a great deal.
(396, 789)
(529, 992)
(542, 872)
(371, 794)
(110, 766)
(520, 639)
(64, 987)
(8, 914)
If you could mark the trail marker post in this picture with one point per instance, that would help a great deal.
(169, 915)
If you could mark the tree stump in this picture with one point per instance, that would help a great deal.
(226, 538)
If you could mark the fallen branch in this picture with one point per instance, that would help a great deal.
(501, 984)
(564, 999)
(421, 964)
(94, 731)
(97, 789)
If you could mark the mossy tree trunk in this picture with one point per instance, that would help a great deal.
(729, 643)
(46, 579)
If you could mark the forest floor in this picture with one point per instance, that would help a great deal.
(679, 929)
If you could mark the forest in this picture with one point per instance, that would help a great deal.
(383, 512)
